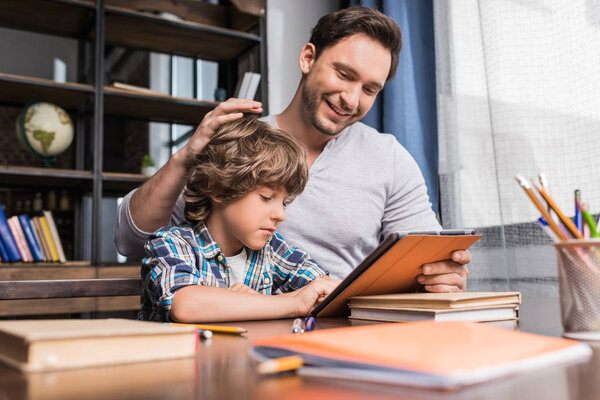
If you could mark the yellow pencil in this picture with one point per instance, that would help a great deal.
(565, 220)
(215, 328)
(277, 365)
(527, 188)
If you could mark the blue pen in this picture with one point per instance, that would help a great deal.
(309, 323)
(546, 228)
(578, 215)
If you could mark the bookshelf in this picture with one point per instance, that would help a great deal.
(215, 32)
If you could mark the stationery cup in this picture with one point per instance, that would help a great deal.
(579, 284)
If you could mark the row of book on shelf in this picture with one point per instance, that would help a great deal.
(28, 239)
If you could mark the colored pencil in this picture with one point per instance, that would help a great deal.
(527, 188)
(278, 365)
(215, 328)
(563, 218)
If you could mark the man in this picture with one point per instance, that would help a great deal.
(362, 185)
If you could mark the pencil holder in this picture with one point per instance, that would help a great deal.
(579, 284)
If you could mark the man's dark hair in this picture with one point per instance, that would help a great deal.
(334, 27)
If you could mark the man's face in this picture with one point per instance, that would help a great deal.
(340, 87)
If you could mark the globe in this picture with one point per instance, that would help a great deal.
(45, 129)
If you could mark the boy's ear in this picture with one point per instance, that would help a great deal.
(211, 187)
(308, 55)
(215, 199)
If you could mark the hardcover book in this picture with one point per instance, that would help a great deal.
(55, 237)
(10, 246)
(17, 232)
(48, 237)
(34, 246)
(494, 313)
(464, 306)
(41, 345)
(37, 227)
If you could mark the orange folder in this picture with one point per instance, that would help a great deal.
(440, 355)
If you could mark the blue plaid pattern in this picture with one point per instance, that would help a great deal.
(179, 256)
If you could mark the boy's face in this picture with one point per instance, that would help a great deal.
(248, 221)
(341, 85)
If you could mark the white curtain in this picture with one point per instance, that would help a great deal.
(518, 91)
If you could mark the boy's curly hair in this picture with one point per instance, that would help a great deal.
(241, 156)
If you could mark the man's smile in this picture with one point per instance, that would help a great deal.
(339, 111)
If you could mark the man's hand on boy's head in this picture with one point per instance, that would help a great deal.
(240, 287)
(226, 111)
(448, 275)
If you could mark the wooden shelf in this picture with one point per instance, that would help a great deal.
(43, 177)
(71, 18)
(66, 178)
(147, 31)
(19, 90)
(119, 182)
(68, 270)
(33, 271)
(158, 108)
(126, 27)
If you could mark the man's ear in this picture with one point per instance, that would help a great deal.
(308, 55)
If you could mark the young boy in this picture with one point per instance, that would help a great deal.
(224, 265)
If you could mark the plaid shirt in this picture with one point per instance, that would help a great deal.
(179, 256)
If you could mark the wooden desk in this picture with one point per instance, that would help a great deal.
(222, 370)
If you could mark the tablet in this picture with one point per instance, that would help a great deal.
(393, 266)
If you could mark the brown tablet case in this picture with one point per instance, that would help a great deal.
(393, 267)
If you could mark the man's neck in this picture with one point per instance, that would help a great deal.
(293, 121)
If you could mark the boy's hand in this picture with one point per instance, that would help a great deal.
(311, 295)
(227, 111)
(240, 287)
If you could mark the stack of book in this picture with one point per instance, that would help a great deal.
(27, 239)
(465, 306)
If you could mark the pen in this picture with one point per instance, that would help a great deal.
(578, 217)
(205, 334)
(309, 323)
(527, 188)
(589, 220)
(277, 365)
(546, 228)
(564, 219)
(215, 328)
(297, 326)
